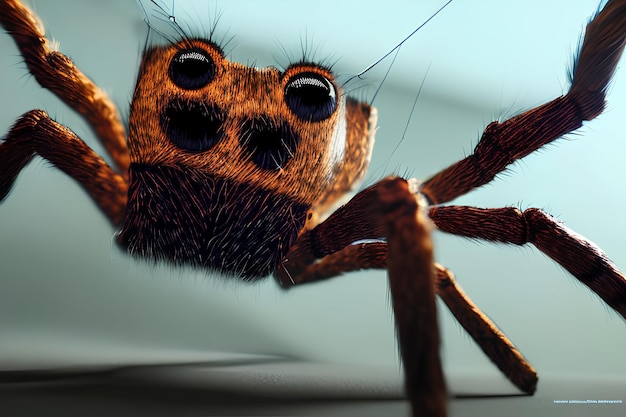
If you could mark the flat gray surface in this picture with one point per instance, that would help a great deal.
(265, 386)
(70, 298)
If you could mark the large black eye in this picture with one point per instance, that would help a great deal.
(271, 143)
(311, 96)
(194, 126)
(192, 69)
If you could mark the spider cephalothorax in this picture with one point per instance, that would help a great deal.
(229, 162)
(233, 168)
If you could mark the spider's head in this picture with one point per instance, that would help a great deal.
(230, 163)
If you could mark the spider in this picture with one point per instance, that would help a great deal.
(184, 203)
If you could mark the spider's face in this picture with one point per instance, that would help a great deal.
(228, 162)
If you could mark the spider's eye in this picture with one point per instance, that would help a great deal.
(192, 126)
(311, 96)
(192, 69)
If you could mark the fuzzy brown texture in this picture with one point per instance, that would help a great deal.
(491, 340)
(581, 257)
(412, 286)
(36, 134)
(214, 203)
(503, 143)
(241, 94)
(56, 72)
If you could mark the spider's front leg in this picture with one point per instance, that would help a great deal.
(328, 251)
(35, 133)
(390, 208)
(412, 285)
(581, 257)
(503, 143)
(56, 72)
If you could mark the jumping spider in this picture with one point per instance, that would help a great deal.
(232, 168)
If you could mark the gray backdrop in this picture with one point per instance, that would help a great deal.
(69, 296)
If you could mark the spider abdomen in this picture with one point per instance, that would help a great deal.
(192, 218)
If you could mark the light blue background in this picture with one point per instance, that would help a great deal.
(68, 295)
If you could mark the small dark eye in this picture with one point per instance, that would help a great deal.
(311, 96)
(192, 69)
